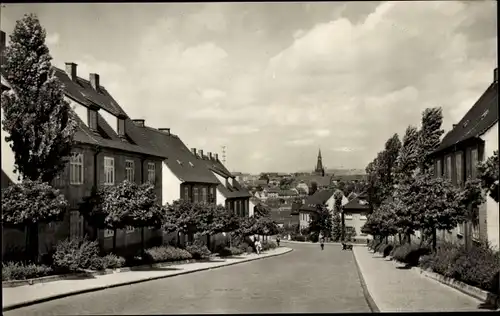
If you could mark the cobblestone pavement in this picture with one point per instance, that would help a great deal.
(306, 280)
(394, 289)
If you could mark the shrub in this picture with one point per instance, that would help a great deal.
(387, 250)
(198, 252)
(229, 251)
(112, 261)
(249, 249)
(477, 266)
(313, 237)
(267, 245)
(165, 253)
(19, 271)
(410, 254)
(378, 246)
(299, 238)
(243, 246)
(77, 254)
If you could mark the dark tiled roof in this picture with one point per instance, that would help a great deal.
(318, 198)
(357, 204)
(180, 160)
(82, 92)
(481, 117)
(229, 191)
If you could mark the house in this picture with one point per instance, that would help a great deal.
(473, 139)
(261, 195)
(107, 150)
(287, 194)
(321, 197)
(302, 187)
(230, 193)
(355, 215)
(273, 193)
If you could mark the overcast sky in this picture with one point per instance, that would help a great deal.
(275, 81)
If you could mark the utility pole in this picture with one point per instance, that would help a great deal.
(224, 155)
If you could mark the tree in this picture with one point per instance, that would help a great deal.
(338, 195)
(407, 160)
(381, 222)
(437, 203)
(336, 225)
(488, 173)
(147, 212)
(470, 197)
(386, 166)
(321, 222)
(183, 217)
(29, 203)
(429, 136)
(36, 116)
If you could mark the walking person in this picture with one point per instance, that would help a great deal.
(278, 240)
(322, 243)
(258, 246)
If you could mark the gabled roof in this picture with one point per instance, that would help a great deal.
(481, 117)
(318, 198)
(357, 204)
(234, 190)
(180, 160)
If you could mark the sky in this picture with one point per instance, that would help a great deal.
(274, 82)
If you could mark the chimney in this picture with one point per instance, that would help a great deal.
(139, 122)
(201, 153)
(165, 130)
(193, 150)
(71, 70)
(216, 156)
(495, 75)
(94, 81)
(210, 156)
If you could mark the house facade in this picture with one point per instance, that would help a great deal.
(308, 209)
(229, 191)
(472, 140)
(355, 216)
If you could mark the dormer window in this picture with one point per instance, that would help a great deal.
(93, 120)
(121, 127)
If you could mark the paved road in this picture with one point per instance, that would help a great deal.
(306, 280)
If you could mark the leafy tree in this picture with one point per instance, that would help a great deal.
(314, 188)
(470, 197)
(437, 203)
(29, 203)
(183, 217)
(147, 212)
(321, 223)
(261, 210)
(374, 183)
(408, 159)
(429, 136)
(336, 225)
(381, 222)
(386, 167)
(488, 173)
(36, 116)
(338, 195)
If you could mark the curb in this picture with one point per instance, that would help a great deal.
(482, 295)
(103, 287)
(61, 277)
(369, 299)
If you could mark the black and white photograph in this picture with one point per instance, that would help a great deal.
(249, 157)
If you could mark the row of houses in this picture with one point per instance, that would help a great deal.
(111, 147)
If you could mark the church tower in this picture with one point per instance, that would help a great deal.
(319, 171)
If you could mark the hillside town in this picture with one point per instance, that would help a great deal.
(101, 208)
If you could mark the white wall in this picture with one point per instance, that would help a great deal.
(170, 185)
(80, 110)
(7, 157)
(330, 203)
(250, 208)
(492, 214)
(221, 199)
(220, 178)
(110, 119)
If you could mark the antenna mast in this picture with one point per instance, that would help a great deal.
(224, 155)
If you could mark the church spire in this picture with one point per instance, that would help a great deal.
(319, 165)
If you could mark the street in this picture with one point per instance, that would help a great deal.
(306, 280)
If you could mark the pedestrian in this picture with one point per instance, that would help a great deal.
(257, 246)
(278, 240)
(322, 243)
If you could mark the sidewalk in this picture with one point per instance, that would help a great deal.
(21, 296)
(393, 289)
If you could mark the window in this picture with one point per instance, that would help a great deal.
(76, 169)
(130, 229)
(212, 194)
(475, 231)
(129, 170)
(195, 195)
(439, 168)
(362, 217)
(151, 172)
(109, 171)
(204, 197)
(447, 166)
(186, 193)
(108, 233)
(347, 216)
(473, 160)
(121, 127)
(459, 172)
(93, 120)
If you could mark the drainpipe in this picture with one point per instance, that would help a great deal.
(98, 150)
